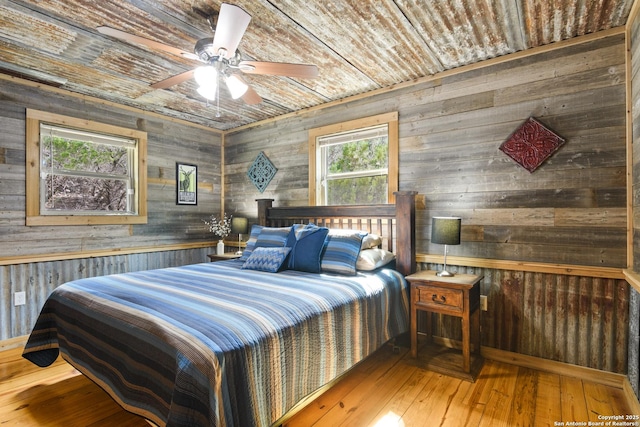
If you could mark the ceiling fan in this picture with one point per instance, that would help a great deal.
(221, 58)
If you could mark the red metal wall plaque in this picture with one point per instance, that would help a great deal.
(531, 144)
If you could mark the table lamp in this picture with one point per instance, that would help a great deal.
(240, 226)
(445, 231)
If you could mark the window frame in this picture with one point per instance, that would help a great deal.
(389, 119)
(33, 170)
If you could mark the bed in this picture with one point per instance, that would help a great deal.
(224, 344)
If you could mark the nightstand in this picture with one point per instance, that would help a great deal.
(223, 257)
(457, 296)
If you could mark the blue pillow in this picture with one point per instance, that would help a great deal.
(251, 242)
(266, 259)
(306, 243)
(269, 237)
(273, 237)
(341, 252)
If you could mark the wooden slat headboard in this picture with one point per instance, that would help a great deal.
(395, 223)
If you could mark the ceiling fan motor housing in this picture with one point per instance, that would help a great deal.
(204, 49)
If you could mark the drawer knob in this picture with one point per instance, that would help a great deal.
(442, 299)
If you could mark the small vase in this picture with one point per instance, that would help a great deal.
(220, 248)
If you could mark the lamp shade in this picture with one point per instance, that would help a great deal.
(445, 230)
(239, 225)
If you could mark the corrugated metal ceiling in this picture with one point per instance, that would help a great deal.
(358, 45)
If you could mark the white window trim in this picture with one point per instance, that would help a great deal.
(390, 119)
(33, 193)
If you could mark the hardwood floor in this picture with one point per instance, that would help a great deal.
(387, 389)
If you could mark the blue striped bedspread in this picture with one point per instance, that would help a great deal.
(214, 345)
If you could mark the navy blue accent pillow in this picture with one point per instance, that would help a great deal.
(306, 244)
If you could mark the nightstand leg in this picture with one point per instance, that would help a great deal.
(475, 321)
(414, 334)
(466, 366)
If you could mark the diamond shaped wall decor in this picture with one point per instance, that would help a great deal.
(261, 172)
(531, 144)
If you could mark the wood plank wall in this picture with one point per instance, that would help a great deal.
(168, 224)
(168, 141)
(634, 306)
(572, 210)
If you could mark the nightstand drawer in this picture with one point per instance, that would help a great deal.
(437, 297)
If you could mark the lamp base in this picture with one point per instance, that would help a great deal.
(239, 252)
(445, 273)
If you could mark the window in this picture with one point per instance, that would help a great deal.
(81, 172)
(354, 163)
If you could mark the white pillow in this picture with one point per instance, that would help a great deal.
(370, 259)
(371, 241)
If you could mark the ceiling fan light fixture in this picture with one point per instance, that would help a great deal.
(221, 58)
(208, 92)
(206, 75)
(236, 86)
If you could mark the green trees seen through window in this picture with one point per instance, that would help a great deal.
(357, 172)
(85, 176)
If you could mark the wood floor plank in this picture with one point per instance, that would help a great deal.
(548, 409)
(404, 397)
(497, 394)
(523, 404)
(429, 409)
(462, 410)
(377, 364)
(358, 404)
(598, 399)
(574, 403)
(620, 405)
(321, 405)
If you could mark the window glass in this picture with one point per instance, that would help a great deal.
(354, 167)
(354, 162)
(85, 172)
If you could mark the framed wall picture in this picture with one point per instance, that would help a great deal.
(186, 184)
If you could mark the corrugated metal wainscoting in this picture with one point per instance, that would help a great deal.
(574, 319)
(634, 340)
(40, 278)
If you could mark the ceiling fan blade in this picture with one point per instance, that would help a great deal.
(122, 35)
(279, 69)
(232, 23)
(251, 97)
(179, 78)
